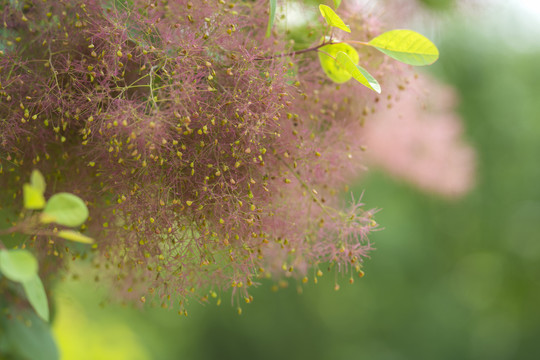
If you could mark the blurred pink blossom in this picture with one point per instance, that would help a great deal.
(418, 137)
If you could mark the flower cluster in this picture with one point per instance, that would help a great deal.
(206, 162)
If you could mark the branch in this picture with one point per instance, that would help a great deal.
(293, 53)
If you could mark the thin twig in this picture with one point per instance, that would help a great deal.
(293, 53)
(314, 48)
(305, 186)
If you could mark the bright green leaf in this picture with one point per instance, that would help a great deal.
(38, 181)
(407, 46)
(327, 56)
(75, 236)
(271, 17)
(65, 209)
(35, 292)
(18, 265)
(337, 3)
(332, 18)
(358, 72)
(32, 198)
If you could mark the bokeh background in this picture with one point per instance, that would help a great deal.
(452, 277)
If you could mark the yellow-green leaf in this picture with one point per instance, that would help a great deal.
(65, 209)
(32, 198)
(406, 46)
(75, 236)
(358, 72)
(18, 265)
(38, 181)
(271, 17)
(332, 18)
(35, 292)
(327, 56)
(336, 3)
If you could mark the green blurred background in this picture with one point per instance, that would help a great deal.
(449, 279)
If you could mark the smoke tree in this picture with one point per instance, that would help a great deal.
(188, 145)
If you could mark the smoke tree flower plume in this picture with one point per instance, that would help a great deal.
(209, 155)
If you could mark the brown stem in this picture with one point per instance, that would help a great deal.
(8, 231)
(313, 48)
(293, 53)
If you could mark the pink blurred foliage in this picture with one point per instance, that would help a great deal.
(417, 136)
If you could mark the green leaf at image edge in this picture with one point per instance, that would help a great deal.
(28, 336)
(357, 72)
(406, 46)
(271, 17)
(332, 18)
(18, 265)
(35, 292)
(337, 3)
(65, 209)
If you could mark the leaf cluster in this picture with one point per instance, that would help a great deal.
(339, 60)
(20, 265)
